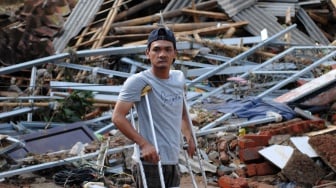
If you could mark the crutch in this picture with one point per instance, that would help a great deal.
(185, 148)
(144, 93)
(196, 145)
(137, 154)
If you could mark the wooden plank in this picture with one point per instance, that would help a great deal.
(214, 29)
(138, 8)
(166, 15)
(9, 93)
(333, 2)
(329, 129)
(219, 45)
(209, 14)
(176, 27)
(107, 24)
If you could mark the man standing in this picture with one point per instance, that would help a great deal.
(169, 112)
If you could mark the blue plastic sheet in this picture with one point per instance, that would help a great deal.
(253, 109)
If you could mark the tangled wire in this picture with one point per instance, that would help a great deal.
(76, 176)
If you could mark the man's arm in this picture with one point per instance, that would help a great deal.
(187, 131)
(119, 119)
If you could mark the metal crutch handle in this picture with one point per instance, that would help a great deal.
(144, 93)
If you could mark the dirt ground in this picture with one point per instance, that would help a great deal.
(186, 182)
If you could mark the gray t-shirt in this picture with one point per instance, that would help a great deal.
(166, 103)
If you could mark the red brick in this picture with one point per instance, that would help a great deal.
(306, 128)
(224, 182)
(253, 140)
(250, 154)
(239, 183)
(251, 170)
(261, 169)
(266, 168)
(246, 143)
(266, 133)
(228, 182)
(301, 82)
(318, 125)
(295, 128)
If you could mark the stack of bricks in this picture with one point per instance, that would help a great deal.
(249, 146)
(256, 165)
(229, 182)
(294, 128)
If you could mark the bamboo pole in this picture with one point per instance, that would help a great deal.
(193, 7)
(138, 8)
(178, 27)
(218, 45)
(130, 36)
(96, 103)
(209, 14)
(154, 18)
(107, 24)
(214, 29)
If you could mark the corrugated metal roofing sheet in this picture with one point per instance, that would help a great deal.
(80, 16)
(259, 20)
(312, 29)
(178, 4)
(278, 9)
(232, 7)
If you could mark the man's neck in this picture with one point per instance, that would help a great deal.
(161, 73)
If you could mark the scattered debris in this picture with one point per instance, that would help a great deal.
(260, 87)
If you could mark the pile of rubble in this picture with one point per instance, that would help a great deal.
(260, 89)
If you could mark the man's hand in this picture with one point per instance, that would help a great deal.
(149, 153)
(190, 146)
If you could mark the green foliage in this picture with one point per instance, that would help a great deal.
(73, 108)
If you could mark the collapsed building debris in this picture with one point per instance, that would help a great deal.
(259, 79)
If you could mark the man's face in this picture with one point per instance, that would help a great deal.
(161, 54)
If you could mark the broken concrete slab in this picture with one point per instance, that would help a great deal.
(301, 143)
(277, 154)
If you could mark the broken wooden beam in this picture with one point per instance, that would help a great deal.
(137, 8)
(176, 27)
(208, 14)
(156, 17)
(214, 30)
(233, 49)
